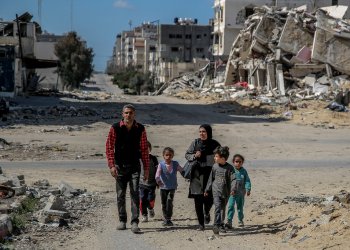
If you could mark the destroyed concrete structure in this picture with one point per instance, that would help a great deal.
(20, 55)
(278, 50)
(56, 207)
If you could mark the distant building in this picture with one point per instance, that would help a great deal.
(181, 43)
(132, 48)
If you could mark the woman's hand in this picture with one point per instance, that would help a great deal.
(198, 154)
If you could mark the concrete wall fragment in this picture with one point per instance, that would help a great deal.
(330, 46)
(293, 37)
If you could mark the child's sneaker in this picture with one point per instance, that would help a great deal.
(222, 229)
(228, 225)
(144, 218)
(216, 230)
(240, 223)
(150, 212)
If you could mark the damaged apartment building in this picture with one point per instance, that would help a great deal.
(165, 50)
(281, 48)
(21, 54)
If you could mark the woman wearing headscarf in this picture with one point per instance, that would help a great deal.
(201, 150)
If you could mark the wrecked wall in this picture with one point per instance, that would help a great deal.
(332, 43)
(293, 37)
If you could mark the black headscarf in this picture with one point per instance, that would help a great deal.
(209, 130)
(207, 146)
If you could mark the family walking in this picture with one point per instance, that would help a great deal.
(212, 180)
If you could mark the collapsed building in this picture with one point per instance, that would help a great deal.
(280, 50)
(23, 50)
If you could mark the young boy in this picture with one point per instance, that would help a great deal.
(166, 178)
(221, 181)
(148, 187)
(243, 186)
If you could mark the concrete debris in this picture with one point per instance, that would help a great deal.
(280, 53)
(61, 206)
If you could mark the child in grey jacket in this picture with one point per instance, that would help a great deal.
(221, 182)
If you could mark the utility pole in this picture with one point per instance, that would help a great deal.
(39, 11)
(71, 15)
(130, 24)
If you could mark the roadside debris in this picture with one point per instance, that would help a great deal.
(55, 207)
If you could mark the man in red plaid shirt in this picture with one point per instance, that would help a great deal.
(127, 152)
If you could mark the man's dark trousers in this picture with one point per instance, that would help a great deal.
(128, 174)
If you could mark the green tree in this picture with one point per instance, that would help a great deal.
(76, 60)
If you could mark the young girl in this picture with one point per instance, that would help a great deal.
(167, 181)
(243, 186)
(221, 181)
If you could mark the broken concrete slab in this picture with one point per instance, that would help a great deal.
(301, 70)
(336, 11)
(5, 226)
(293, 38)
(327, 47)
(54, 203)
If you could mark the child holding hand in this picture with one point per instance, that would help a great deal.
(221, 182)
(166, 178)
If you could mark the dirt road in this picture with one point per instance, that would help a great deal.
(283, 159)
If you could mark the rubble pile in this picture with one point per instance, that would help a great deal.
(293, 53)
(329, 216)
(283, 56)
(58, 209)
(30, 114)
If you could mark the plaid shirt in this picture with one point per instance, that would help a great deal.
(110, 144)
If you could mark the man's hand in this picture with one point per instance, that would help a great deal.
(160, 183)
(248, 192)
(206, 194)
(114, 172)
(233, 193)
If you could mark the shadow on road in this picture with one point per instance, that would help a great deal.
(225, 112)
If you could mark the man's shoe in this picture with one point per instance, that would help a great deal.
(240, 223)
(200, 228)
(150, 213)
(207, 219)
(135, 228)
(167, 223)
(121, 225)
(144, 218)
(228, 225)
